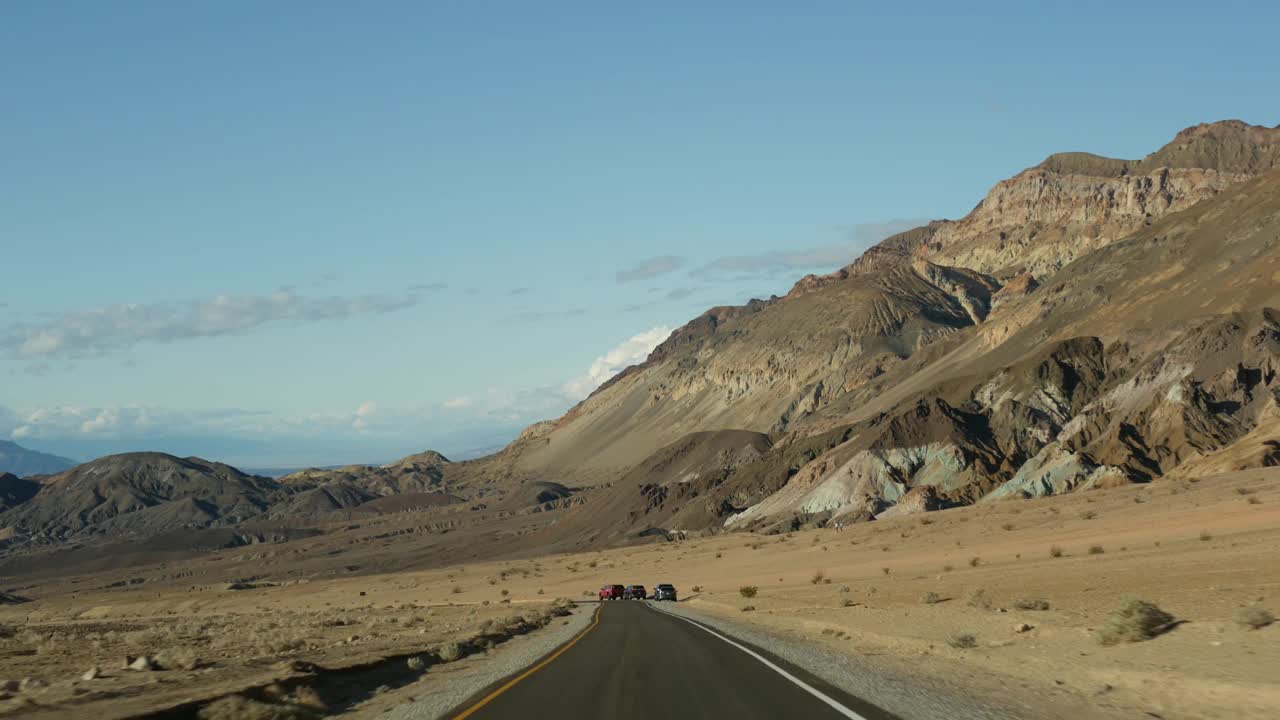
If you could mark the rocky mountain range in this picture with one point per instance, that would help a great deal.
(1092, 322)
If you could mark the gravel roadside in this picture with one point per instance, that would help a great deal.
(913, 698)
(445, 687)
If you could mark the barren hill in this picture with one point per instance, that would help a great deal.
(141, 493)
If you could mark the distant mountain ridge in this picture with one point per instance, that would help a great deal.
(148, 493)
(23, 462)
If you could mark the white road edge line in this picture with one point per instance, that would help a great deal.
(802, 684)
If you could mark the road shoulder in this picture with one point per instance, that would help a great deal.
(445, 689)
(887, 683)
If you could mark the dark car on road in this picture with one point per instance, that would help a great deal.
(635, 592)
(612, 592)
(665, 591)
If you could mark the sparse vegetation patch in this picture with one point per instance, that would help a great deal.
(1134, 621)
(1253, 617)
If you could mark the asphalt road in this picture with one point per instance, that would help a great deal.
(638, 662)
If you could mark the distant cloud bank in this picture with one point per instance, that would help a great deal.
(651, 268)
(819, 258)
(96, 332)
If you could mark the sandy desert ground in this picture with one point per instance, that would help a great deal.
(950, 597)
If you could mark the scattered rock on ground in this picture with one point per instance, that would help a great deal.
(142, 663)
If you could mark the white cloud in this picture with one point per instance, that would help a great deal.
(529, 405)
(631, 351)
(94, 332)
(143, 421)
(363, 416)
(90, 429)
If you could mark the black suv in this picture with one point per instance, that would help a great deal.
(665, 591)
(634, 592)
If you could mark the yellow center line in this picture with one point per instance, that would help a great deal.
(516, 680)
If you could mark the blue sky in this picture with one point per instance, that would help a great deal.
(309, 233)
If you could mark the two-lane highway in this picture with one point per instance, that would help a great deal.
(637, 662)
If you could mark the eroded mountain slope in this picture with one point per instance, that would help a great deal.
(1158, 351)
(760, 370)
(834, 340)
(1153, 353)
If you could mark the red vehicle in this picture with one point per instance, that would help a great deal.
(612, 592)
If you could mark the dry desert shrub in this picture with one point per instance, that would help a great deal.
(450, 652)
(1134, 621)
(1205, 536)
(817, 577)
(278, 641)
(978, 599)
(748, 591)
(931, 598)
(1031, 604)
(975, 561)
(1253, 618)
(1055, 552)
(696, 588)
(848, 603)
(178, 658)
(748, 608)
(962, 641)
(1096, 550)
(1006, 526)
